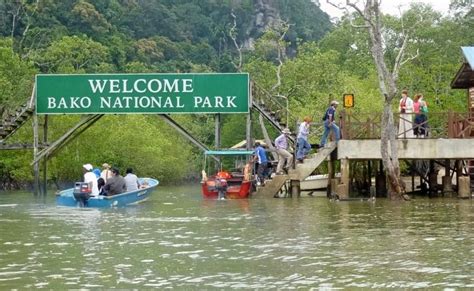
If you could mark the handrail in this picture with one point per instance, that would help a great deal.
(282, 113)
(438, 125)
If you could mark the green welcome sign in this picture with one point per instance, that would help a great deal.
(142, 93)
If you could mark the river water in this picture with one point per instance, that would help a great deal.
(178, 240)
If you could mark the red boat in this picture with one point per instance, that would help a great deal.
(225, 184)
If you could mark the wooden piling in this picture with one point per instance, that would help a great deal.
(381, 183)
(334, 186)
(343, 189)
(36, 182)
(45, 160)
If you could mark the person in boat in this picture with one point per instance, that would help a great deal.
(262, 162)
(131, 180)
(96, 171)
(100, 185)
(284, 156)
(115, 184)
(89, 177)
(106, 172)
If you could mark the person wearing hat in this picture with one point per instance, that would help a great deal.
(330, 123)
(106, 172)
(281, 145)
(90, 177)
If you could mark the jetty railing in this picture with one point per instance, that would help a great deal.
(438, 125)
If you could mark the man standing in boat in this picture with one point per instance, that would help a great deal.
(262, 161)
(281, 144)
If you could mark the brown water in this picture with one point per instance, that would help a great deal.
(178, 240)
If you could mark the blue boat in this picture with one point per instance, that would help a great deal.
(66, 197)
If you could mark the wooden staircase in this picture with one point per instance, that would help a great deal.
(273, 110)
(14, 121)
(301, 172)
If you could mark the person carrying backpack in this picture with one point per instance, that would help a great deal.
(330, 123)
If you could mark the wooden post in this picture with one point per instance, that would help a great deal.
(331, 173)
(217, 131)
(458, 172)
(447, 181)
(217, 134)
(36, 182)
(369, 171)
(45, 160)
(433, 180)
(248, 125)
(248, 132)
(381, 183)
(343, 189)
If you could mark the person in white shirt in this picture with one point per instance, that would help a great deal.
(91, 178)
(405, 126)
(106, 172)
(302, 139)
(281, 144)
(131, 180)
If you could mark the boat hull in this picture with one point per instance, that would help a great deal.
(66, 197)
(240, 191)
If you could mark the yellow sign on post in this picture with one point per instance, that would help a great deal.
(348, 100)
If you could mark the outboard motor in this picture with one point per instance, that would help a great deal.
(82, 192)
(221, 187)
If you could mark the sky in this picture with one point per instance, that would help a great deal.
(388, 6)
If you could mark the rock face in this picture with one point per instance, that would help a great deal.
(266, 16)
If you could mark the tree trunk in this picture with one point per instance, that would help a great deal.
(389, 152)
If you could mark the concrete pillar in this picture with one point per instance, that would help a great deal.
(447, 186)
(295, 189)
(464, 187)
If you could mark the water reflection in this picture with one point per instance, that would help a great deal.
(179, 240)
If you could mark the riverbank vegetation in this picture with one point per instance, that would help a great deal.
(321, 61)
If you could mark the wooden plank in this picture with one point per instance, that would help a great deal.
(305, 169)
(273, 186)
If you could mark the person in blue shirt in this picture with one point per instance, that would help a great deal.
(330, 123)
(262, 162)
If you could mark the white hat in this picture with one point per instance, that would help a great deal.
(88, 167)
(334, 102)
(286, 130)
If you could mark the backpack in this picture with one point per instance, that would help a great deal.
(325, 115)
(424, 107)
